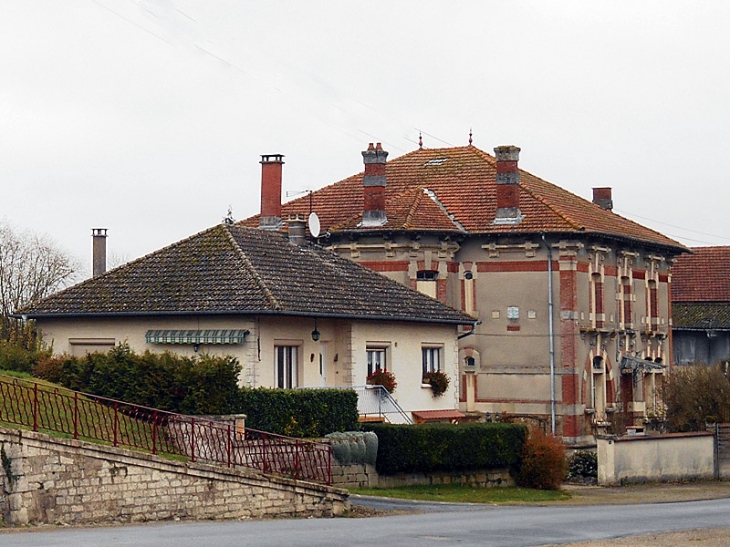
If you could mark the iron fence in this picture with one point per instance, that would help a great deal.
(89, 417)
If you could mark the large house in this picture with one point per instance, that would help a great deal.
(572, 299)
(701, 306)
(293, 313)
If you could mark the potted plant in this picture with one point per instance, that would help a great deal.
(438, 381)
(381, 377)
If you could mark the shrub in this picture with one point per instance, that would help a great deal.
(447, 447)
(299, 412)
(188, 385)
(583, 465)
(439, 382)
(694, 393)
(381, 377)
(543, 464)
(19, 358)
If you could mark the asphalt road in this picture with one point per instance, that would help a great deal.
(466, 526)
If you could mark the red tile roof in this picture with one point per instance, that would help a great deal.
(702, 276)
(460, 184)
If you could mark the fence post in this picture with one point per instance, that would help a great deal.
(229, 444)
(35, 407)
(76, 414)
(192, 439)
(264, 453)
(154, 432)
(297, 449)
(115, 428)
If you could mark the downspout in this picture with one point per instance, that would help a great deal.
(551, 329)
(472, 331)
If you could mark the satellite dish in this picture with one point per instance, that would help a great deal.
(313, 223)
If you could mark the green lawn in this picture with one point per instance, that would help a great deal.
(466, 494)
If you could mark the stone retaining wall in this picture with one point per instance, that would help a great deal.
(47, 480)
(365, 476)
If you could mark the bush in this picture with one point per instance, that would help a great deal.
(383, 378)
(439, 382)
(583, 465)
(188, 385)
(300, 412)
(447, 447)
(543, 464)
(695, 394)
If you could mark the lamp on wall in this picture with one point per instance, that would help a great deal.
(315, 333)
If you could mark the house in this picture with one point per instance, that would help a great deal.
(701, 306)
(292, 313)
(572, 299)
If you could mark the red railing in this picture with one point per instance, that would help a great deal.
(89, 417)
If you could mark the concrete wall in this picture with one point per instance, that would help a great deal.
(47, 480)
(664, 458)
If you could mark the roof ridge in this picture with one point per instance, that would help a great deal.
(252, 270)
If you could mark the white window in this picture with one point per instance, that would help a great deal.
(286, 366)
(376, 359)
(431, 359)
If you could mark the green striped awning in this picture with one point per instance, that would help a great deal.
(221, 336)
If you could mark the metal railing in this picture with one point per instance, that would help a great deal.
(377, 401)
(93, 418)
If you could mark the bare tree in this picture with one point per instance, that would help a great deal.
(31, 267)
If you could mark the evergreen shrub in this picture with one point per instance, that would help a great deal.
(300, 412)
(446, 447)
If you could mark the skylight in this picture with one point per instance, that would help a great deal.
(437, 161)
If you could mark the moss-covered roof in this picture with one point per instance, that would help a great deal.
(239, 270)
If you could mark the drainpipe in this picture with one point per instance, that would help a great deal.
(472, 331)
(551, 329)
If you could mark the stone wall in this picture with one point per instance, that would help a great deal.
(47, 480)
(365, 476)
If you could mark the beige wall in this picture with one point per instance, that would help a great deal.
(685, 456)
(342, 347)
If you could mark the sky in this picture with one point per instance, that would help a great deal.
(149, 117)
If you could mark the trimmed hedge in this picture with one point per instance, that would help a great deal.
(186, 385)
(300, 412)
(447, 447)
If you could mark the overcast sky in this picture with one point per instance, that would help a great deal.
(148, 117)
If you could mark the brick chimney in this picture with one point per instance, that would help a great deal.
(602, 197)
(270, 218)
(98, 251)
(374, 184)
(508, 188)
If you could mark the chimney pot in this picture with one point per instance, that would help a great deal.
(271, 167)
(98, 251)
(602, 197)
(297, 231)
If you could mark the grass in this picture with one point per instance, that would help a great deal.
(466, 494)
(56, 416)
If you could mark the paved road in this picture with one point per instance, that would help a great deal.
(468, 526)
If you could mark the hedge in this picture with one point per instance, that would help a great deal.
(446, 447)
(300, 412)
(187, 385)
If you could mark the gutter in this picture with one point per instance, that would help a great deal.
(471, 332)
(78, 315)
